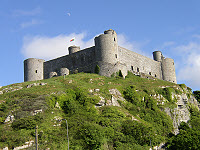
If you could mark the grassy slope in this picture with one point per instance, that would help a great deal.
(89, 128)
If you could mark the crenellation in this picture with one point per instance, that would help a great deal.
(107, 55)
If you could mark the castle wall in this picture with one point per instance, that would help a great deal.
(83, 60)
(139, 63)
(108, 55)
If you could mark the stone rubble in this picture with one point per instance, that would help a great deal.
(36, 84)
(35, 112)
(10, 119)
(115, 96)
(10, 89)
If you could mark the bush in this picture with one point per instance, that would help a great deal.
(197, 95)
(26, 123)
(97, 69)
(138, 132)
(131, 95)
(92, 134)
(167, 93)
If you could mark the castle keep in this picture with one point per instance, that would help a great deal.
(107, 55)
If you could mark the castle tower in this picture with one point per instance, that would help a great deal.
(168, 70)
(33, 69)
(106, 47)
(73, 49)
(157, 56)
(106, 51)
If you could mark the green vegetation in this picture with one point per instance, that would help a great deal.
(197, 95)
(97, 69)
(138, 121)
(189, 135)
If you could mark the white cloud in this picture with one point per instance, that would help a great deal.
(45, 47)
(188, 69)
(52, 47)
(30, 23)
(32, 12)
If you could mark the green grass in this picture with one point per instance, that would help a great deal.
(89, 127)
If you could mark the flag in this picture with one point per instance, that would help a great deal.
(72, 39)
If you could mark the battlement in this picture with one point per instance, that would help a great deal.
(107, 55)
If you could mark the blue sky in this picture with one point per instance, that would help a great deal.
(43, 28)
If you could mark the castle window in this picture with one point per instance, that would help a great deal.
(155, 75)
(114, 39)
(115, 55)
(131, 67)
(138, 70)
(35, 71)
(149, 73)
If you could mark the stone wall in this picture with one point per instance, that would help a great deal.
(83, 60)
(139, 63)
(108, 55)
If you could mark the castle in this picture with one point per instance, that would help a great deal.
(107, 55)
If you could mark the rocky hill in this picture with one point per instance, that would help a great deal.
(101, 112)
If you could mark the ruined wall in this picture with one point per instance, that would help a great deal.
(83, 60)
(138, 63)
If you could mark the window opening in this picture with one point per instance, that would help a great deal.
(155, 75)
(131, 67)
(138, 70)
(114, 39)
(149, 73)
(35, 71)
(115, 55)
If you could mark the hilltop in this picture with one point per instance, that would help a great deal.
(102, 113)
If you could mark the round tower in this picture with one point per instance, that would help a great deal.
(157, 56)
(168, 70)
(73, 49)
(106, 47)
(33, 69)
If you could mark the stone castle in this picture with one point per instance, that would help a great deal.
(107, 55)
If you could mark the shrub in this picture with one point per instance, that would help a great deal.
(97, 69)
(92, 134)
(197, 95)
(26, 123)
(167, 93)
(131, 95)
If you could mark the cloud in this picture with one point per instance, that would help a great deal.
(30, 23)
(32, 12)
(188, 69)
(45, 47)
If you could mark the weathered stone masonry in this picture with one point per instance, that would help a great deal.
(107, 55)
